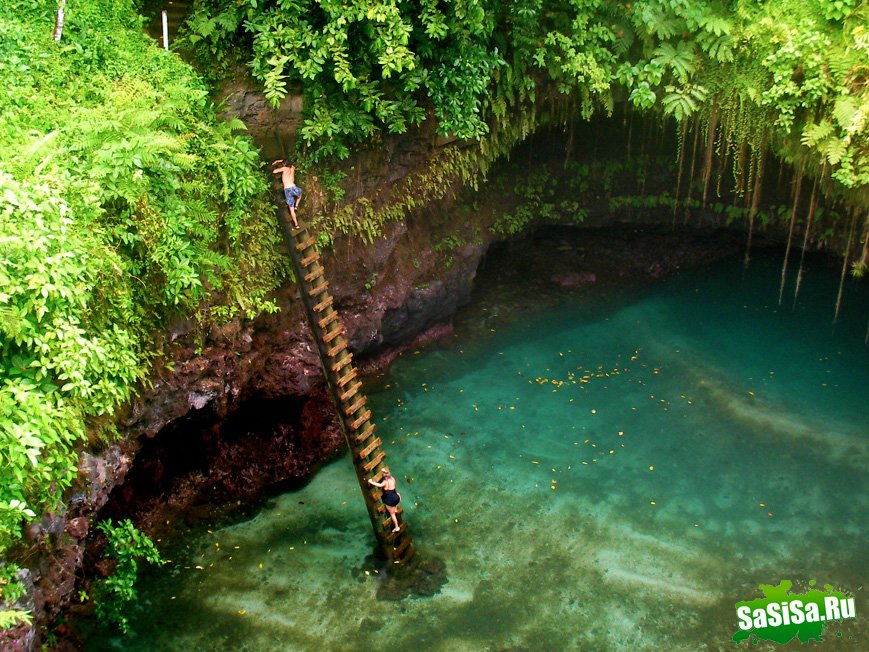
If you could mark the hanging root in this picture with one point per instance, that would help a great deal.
(813, 204)
(845, 259)
(755, 200)
(710, 147)
(798, 184)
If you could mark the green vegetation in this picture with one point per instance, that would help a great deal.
(10, 590)
(536, 197)
(786, 71)
(124, 202)
(747, 83)
(127, 546)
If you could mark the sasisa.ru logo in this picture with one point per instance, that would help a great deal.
(781, 616)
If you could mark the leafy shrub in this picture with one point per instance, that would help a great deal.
(124, 201)
(127, 546)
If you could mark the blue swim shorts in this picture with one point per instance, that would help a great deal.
(292, 193)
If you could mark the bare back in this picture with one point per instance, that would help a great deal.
(288, 175)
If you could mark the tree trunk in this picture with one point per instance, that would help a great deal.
(629, 118)
(58, 23)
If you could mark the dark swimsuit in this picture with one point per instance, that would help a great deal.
(391, 497)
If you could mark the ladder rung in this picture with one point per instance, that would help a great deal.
(325, 303)
(407, 555)
(328, 319)
(355, 407)
(301, 246)
(319, 289)
(313, 274)
(362, 436)
(343, 362)
(392, 536)
(331, 335)
(382, 509)
(377, 460)
(350, 391)
(346, 378)
(359, 421)
(335, 350)
(402, 547)
(298, 231)
(310, 259)
(365, 452)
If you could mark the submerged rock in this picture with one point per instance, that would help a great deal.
(575, 278)
(422, 577)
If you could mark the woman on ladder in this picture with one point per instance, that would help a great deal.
(390, 496)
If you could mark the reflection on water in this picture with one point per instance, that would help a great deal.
(597, 475)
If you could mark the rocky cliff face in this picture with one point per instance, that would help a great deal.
(244, 407)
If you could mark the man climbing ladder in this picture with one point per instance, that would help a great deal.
(292, 192)
(345, 388)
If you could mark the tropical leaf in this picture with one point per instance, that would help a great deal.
(679, 59)
(849, 114)
(719, 48)
(817, 133)
(683, 102)
(716, 24)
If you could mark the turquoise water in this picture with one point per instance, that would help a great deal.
(596, 474)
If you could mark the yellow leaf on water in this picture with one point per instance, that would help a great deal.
(242, 612)
(533, 462)
(651, 468)
(261, 566)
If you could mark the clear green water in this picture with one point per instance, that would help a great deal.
(530, 438)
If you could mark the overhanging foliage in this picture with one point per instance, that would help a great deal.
(123, 202)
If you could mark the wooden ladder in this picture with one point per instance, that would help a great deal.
(345, 387)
